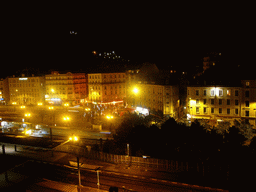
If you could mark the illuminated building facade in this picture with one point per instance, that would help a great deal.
(26, 90)
(222, 103)
(106, 88)
(59, 88)
(80, 82)
(158, 98)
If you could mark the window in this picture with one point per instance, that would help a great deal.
(197, 101)
(205, 110)
(212, 92)
(247, 93)
(236, 102)
(247, 113)
(236, 111)
(204, 92)
(247, 103)
(220, 101)
(212, 110)
(197, 92)
(212, 101)
(220, 92)
(228, 101)
(247, 84)
(188, 92)
(220, 110)
(204, 101)
(236, 93)
(197, 109)
(228, 92)
(228, 111)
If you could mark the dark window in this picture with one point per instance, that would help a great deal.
(204, 92)
(212, 110)
(212, 101)
(228, 101)
(228, 110)
(197, 92)
(220, 110)
(236, 111)
(197, 109)
(197, 101)
(236, 102)
(205, 110)
(204, 101)
(247, 113)
(247, 103)
(236, 92)
(247, 93)
(220, 101)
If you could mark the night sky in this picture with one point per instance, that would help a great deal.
(176, 35)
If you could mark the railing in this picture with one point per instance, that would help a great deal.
(204, 169)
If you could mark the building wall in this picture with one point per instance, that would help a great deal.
(59, 87)
(162, 98)
(106, 87)
(80, 86)
(220, 103)
(26, 90)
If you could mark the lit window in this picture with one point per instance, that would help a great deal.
(228, 92)
(247, 83)
(197, 101)
(220, 92)
(197, 109)
(212, 92)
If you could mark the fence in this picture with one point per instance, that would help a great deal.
(160, 164)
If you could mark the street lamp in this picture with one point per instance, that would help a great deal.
(73, 139)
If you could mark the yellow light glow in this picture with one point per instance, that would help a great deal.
(50, 107)
(52, 90)
(109, 117)
(135, 90)
(27, 114)
(70, 138)
(39, 104)
(14, 103)
(66, 118)
(28, 132)
(75, 138)
(87, 109)
(66, 104)
(192, 102)
(22, 107)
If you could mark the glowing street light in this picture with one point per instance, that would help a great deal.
(135, 90)
(27, 114)
(73, 138)
(66, 118)
(109, 117)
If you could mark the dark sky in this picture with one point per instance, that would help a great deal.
(166, 34)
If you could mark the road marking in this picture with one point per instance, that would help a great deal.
(154, 179)
(135, 176)
(126, 175)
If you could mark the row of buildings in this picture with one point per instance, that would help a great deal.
(146, 88)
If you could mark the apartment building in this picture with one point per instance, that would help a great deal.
(106, 87)
(26, 90)
(222, 103)
(59, 88)
(158, 98)
(80, 82)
